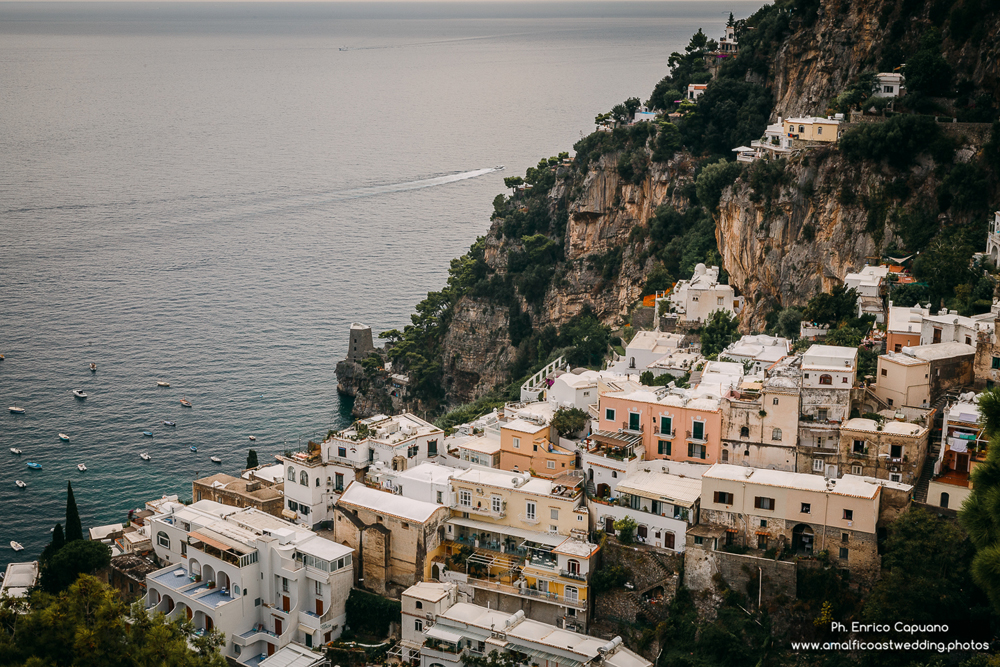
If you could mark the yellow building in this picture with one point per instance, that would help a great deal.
(811, 128)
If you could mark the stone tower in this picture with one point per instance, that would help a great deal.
(361, 344)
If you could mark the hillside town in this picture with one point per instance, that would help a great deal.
(743, 466)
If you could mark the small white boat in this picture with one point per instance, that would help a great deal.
(253, 437)
(81, 467)
(216, 459)
(162, 384)
(16, 546)
(80, 393)
(20, 484)
(15, 450)
(93, 368)
(64, 437)
(170, 423)
(186, 403)
(16, 410)
(144, 456)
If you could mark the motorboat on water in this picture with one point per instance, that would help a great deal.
(80, 393)
(20, 484)
(144, 456)
(499, 167)
(193, 448)
(170, 423)
(216, 459)
(81, 467)
(186, 403)
(162, 384)
(34, 466)
(253, 437)
(93, 368)
(148, 434)
(64, 437)
(16, 546)
(16, 410)
(15, 450)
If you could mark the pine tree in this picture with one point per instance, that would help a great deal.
(74, 529)
(252, 459)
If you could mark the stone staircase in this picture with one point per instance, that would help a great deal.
(933, 449)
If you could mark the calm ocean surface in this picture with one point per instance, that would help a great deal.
(209, 194)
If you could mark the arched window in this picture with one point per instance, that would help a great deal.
(420, 605)
(745, 432)
(725, 455)
(572, 593)
(163, 539)
(304, 478)
(573, 566)
(944, 500)
(825, 379)
(291, 474)
(317, 481)
(776, 434)
(236, 591)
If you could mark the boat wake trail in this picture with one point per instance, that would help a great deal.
(410, 185)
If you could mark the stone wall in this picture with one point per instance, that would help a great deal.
(738, 570)
(652, 583)
(951, 374)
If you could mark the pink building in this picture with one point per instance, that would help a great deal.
(677, 425)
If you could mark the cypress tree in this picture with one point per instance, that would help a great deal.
(57, 543)
(252, 459)
(74, 529)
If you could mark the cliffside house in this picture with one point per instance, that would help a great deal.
(868, 281)
(889, 84)
(696, 90)
(812, 128)
(529, 442)
(993, 240)
(395, 537)
(727, 44)
(963, 446)
(760, 349)
(828, 375)
(645, 348)
(760, 421)
(262, 581)
(696, 299)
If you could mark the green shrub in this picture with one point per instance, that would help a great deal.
(371, 613)
(898, 141)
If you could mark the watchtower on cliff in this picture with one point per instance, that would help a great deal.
(361, 344)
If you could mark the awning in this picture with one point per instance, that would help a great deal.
(529, 535)
(307, 630)
(210, 542)
(763, 532)
(289, 514)
(437, 633)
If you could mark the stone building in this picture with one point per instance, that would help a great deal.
(986, 364)
(360, 344)
(806, 514)
(760, 423)
(894, 451)
(238, 492)
(828, 375)
(127, 573)
(395, 537)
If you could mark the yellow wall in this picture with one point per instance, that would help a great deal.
(816, 131)
(532, 453)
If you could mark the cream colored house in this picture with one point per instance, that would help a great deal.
(811, 128)
(916, 376)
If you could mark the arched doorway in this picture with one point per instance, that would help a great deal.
(802, 538)
(603, 490)
(944, 500)
(207, 574)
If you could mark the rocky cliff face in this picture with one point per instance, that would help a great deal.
(603, 210)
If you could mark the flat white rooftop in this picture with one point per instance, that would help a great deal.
(383, 502)
(791, 480)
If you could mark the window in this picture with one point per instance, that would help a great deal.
(465, 498)
(609, 414)
(802, 128)
(550, 464)
(936, 338)
(968, 340)
(663, 447)
(762, 503)
(163, 540)
(291, 474)
(317, 481)
(304, 509)
(858, 447)
(844, 537)
(895, 477)
(614, 474)
(517, 443)
(572, 593)
(338, 481)
(896, 451)
(884, 372)
(440, 497)
(304, 478)
(996, 363)
(184, 548)
(843, 553)
(889, 402)
(698, 431)
(292, 505)
(725, 455)
(536, 448)
(696, 451)
(418, 625)
(762, 541)
(818, 465)
(848, 515)
(744, 432)
(843, 380)
(775, 434)
(319, 589)
(284, 585)
(236, 591)
(432, 448)
(666, 426)
(944, 500)
(856, 470)
(887, 89)
(897, 348)
(342, 452)
(412, 451)
(496, 504)
(554, 514)
(763, 523)
(420, 605)
(553, 529)
(723, 498)
(529, 511)
(719, 301)
(806, 508)
(699, 540)
(826, 379)
(774, 401)
(819, 129)
(633, 421)
(822, 414)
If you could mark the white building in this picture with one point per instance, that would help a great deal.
(728, 44)
(868, 281)
(889, 84)
(696, 299)
(993, 240)
(950, 327)
(19, 579)
(763, 350)
(829, 367)
(577, 389)
(696, 90)
(427, 482)
(646, 348)
(451, 630)
(315, 478)
(262, 581)
(774, 144)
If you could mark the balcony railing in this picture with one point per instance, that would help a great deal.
(481, 511)
(572, 575)
(528, 593)
(694, 438)
(628, 429)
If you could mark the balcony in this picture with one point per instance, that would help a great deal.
(572, 575)
(690, 437)
(529, 518)
(254, 635)
(634, 431)
(481, 511)
(528, 593)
